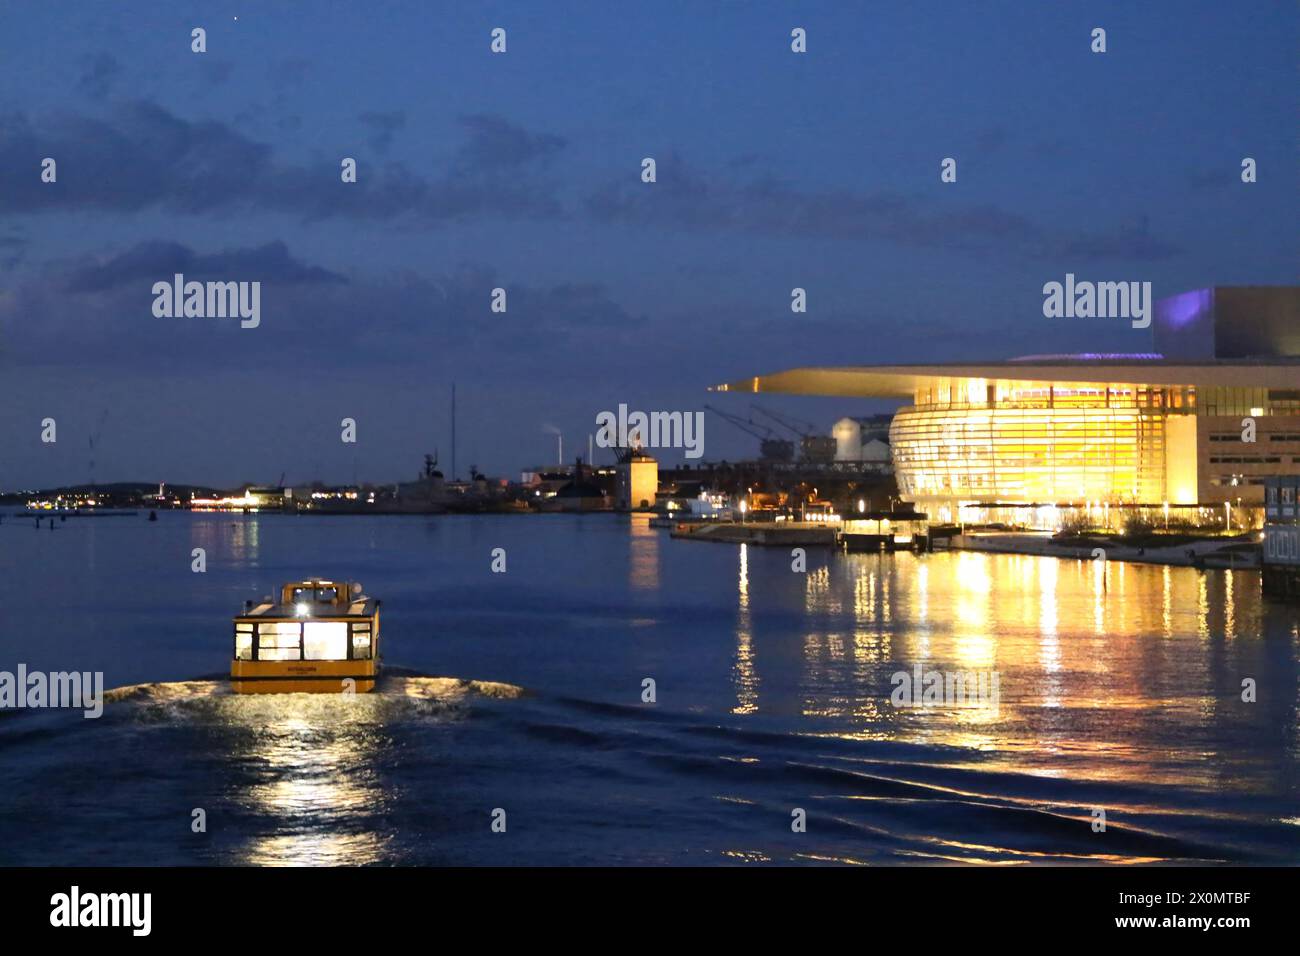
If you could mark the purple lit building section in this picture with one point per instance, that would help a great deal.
(1183, 326)
(1228, 322)
(1090, 357)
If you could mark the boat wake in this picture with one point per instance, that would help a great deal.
(401, 693)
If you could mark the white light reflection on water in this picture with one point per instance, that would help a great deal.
(313, 753)
(315, 759)
(744, 676)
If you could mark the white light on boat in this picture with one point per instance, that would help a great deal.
(325, 641)
(302, 608)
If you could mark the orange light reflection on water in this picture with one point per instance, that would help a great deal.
(1091, 656)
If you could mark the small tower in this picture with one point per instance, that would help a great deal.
(638, 480)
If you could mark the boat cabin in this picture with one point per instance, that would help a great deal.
(321, 636)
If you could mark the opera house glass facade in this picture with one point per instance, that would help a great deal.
(1197, 423)
(1040, 442)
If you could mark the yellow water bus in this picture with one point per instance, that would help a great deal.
(322, 637)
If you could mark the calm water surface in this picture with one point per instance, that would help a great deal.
(1120, 689)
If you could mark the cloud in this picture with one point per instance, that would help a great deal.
(144, 157)
(99, 73)
(1132, 243)
(213, 71)
(149, 262)
(494, 143)
(289, 72)
(991, 140)
(98, 311)
(13, 248)
(684, 198)
(383, 127)
(1214, 179)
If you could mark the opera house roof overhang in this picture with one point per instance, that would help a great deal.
(901, 381)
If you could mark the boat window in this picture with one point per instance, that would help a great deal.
(362, 649)
(325, 641)
(243, 641)
(318, 595)
(279, 641)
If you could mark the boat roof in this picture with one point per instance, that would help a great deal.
(361, 607)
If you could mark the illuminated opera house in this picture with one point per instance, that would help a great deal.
(1198, 422)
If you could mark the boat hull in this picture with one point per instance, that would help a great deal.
(298, 677)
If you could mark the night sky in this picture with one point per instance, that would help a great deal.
(523, 170)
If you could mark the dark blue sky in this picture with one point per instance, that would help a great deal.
(522, 170)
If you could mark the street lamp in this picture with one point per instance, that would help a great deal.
(743, 508)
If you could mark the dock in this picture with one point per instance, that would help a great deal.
(793, 534)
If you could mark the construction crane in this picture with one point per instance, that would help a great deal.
(771, 448)
(814, 448)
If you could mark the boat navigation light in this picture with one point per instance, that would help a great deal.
(302, 608)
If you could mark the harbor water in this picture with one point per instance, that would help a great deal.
(523, 698)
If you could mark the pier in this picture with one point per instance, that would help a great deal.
(778, 535)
